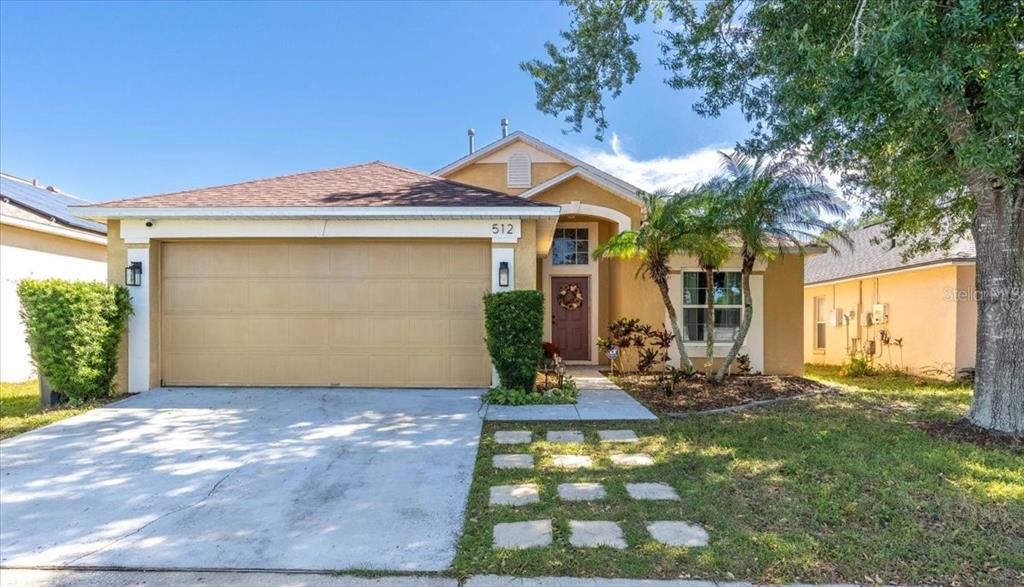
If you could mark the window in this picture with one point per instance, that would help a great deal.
(728, 292)
(519, 170)
(571, 246)
(819, 322)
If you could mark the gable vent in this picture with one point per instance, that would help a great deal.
(519, 170)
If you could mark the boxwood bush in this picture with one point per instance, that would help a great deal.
(74, 330)
(515, 326)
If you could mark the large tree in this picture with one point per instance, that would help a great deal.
(920, 105)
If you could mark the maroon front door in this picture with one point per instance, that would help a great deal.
(570, 316)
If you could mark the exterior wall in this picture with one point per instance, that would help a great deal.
(580, 190)
(966, 317)
(494, 177)
(526, 255)
(117, 260)
(783, 316)
(28, 253)
(923, 312)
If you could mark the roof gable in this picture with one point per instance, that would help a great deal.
(483, 153)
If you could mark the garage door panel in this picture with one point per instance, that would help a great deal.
(389, 295)
(337, 312)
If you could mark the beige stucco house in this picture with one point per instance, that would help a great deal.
(39, 238)
(919, 314)
(372, 275)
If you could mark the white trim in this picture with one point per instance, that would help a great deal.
(921, 267)
(585, 175)
(54, 229)
(100, 211)
(537, 144)
(135, 231)
(138, 325)
(576, 207)
(536, 155)
(592, 270)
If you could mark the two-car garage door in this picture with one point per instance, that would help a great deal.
(324, 312)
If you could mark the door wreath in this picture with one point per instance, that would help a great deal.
(570, 296)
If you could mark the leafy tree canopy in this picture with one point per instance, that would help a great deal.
(910, 101)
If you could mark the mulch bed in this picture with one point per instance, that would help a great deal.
(963, 430)
(696, 395)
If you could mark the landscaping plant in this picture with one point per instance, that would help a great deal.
(74, 330)
(514, 323)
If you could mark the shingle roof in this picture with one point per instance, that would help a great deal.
(51, 205)
(375, 184)
(868, 257)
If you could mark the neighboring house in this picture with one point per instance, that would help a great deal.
(39, 238)
(918, 314)
(372, 275)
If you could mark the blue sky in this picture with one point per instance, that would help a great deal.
(113, 100)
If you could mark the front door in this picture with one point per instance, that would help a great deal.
(570, 317)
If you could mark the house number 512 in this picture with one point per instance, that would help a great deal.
(503, 228)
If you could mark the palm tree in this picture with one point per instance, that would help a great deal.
(705, 220)
(775, 204)
(660, 236)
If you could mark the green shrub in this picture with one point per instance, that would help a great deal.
(857, 366)
(567, 394)
(74, 330)
(515, 327)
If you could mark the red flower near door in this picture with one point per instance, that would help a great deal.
(570, 296)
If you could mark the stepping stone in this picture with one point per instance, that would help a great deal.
(565, 436)
(617, 436)
(660, 491)
(592, 534)
(522, 534)
(678, 533)
(634, 460)
(572, 461)
(516, 461)
(581, 491)
(513, 436)
(515, 494)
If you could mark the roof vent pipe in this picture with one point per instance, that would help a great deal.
(472, 141)
(504, 127)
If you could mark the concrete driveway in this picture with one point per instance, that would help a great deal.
(245, 479)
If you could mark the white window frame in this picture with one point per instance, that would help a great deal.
(590, 245)
(685, 306)
(820, 324)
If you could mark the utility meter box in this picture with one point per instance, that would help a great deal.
(865, 318)
(880, 314)
(837, 318)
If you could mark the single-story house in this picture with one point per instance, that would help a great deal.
(373, 274)
(39, 238)
(918, 314)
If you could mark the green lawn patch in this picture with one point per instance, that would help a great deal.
(20, 410)
(837, 488)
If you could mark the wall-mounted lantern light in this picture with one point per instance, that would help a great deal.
(503, 274)
(133, 273)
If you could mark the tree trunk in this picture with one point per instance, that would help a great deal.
(709, 325)
(748, 316)
(674, 322)
(998, 228)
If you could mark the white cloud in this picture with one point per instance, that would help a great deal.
(671, 173)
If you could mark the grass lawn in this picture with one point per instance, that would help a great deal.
(838, 488)
(20, 410)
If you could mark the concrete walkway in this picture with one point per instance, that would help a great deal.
(599, 399)
(33, 578)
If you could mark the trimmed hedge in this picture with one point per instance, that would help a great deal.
(515, 327)
(74, 331)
